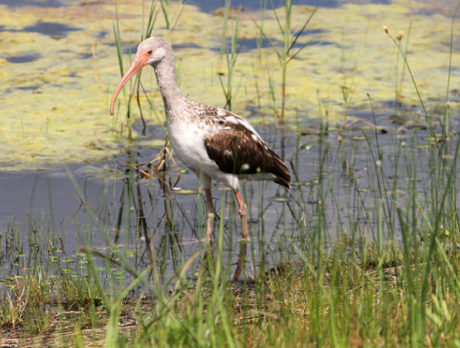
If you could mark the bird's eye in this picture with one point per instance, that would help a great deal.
(149, 52)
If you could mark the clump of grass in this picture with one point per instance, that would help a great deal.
(25, 304)
(78, 292)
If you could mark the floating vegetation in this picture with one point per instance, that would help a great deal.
(54, 103)
(363, 250)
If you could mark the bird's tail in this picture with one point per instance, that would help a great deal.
(281, 172)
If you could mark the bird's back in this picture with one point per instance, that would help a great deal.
(235, 146)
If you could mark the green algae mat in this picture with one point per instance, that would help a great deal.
(59, 67)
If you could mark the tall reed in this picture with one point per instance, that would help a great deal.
(229, 54)
(288, 51)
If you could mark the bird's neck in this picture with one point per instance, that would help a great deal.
(166, 77)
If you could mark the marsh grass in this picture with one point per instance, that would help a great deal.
(365, 253)
(325, 290)
(399, 75)
(447, 115)
(229, 53)
(118, 44)
(287, 52)
(387, 274)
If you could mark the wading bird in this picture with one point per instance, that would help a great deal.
(213, 142)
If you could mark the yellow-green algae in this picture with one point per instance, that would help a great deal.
(55, 108)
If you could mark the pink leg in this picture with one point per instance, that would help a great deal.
(244, 244)
(210, 214)
(241, 260)
(243, 214)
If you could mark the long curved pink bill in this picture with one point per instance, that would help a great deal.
(135, 67)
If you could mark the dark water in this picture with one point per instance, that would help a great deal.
(50, 28)
(23, 59)
(39, 3)
(205, 5)
(209, 6)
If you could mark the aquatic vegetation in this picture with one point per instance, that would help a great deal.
(228, 53)
(287, 53)
(363, 251)
(54, 106)
(351, 261)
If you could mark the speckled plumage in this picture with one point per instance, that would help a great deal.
(223, 146)
(213, 142)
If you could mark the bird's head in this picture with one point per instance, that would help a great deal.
(149, 52)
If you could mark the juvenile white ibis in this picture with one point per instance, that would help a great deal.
(213, 142)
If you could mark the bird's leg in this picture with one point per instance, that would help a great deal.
(210, 216)
(243, 214)
(243, 244)
(241, 260)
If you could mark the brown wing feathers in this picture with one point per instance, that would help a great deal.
(237, 150)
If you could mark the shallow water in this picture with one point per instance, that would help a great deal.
(122, 213)
(58, 70)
